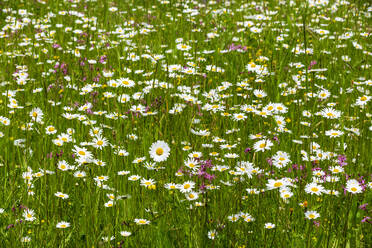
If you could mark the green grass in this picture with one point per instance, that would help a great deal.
(55, 56)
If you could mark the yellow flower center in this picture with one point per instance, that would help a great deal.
(159, 151)
(278, 184)
(82, 153)
(99, 142)
(314, 189)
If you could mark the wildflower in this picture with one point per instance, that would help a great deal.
(186, 186)
(334, 133)
(109, 204)
(159, 151)
(269, 225)
(212, 234)
(29, 215)
(233, 218)
(263, 145)
(183, 47)
(50, 130)
(134, 178)
(366, 219)
(259, 93)
(274, 184)
(191, 196)
(363, 100)
(147, 182)
(125, 233)
(79, 174)
(99, 142)
(25, 239)
(312, 215)
(330, 113)
(239, 116)
(62, 224)
(353, 186)
(141, 221)
(37, 115)
(61, 195)
(313, 188)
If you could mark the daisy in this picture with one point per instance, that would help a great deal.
(123, 98)
(125, 233)
(99, 142)
(183, 47)
(191, 196)
(280, 108)
(334, 133)
(263, 145)
(101, 178)
(336, 169)
(61, 195)
(275, 184)
(147, 182)
(286, 195)
(159, 151)
(259, 93)
(363, 100)
(170, 186)
(50, 130)
(186, 186)
(109, 204)
(29, 215)
(311, 215)
(330, 113)
(37, 115)
(123, 173)
(62, 224)
(195, 155)
(134, 178)
(63, 165)
(314, 188)
(239, 117)
(233, 218)
(25, 239)
(353, 186)
(192, 163)
(269, 225)
(212, 234)
(82, 153)
(141, 221)
(79, 174)
(126, 82)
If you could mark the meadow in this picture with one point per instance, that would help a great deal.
(180, 123)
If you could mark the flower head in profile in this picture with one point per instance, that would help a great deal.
(269, 225)
(141, 221)
(62, 224)
(159, 151)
